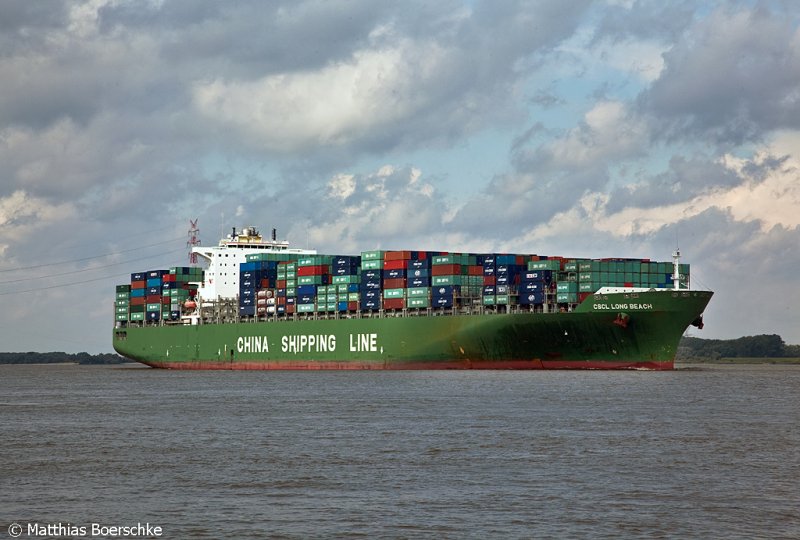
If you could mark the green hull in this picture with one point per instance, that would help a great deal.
(612, 331)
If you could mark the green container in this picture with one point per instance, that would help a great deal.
(137, 309)
(445, 280)
(571, 266)
(446, 259)
(346, 279)
(417, 302)
(123, 296)
(588, 286)
(291, 291)
(585, 266)
(545, 265)
(371, 256)
(394, 293)
(153, 307)
(137, 316)
(585, 276)
(502, 299)
(121, 316)
(570, 298)
(124, 302)
(121, 309)
(567, 287)
(371, 264)
(418, 292)
(489, 300)
(305, 308)
(123, 289)
(309, 280)
(353, 297)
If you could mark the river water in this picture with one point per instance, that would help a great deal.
(711, 452)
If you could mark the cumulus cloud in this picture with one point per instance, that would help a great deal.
(734, 76)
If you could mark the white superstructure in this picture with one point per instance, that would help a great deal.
(222, 273)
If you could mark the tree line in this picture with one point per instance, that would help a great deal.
(60, 358)
(761, 346)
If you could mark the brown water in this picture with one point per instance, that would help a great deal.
(712, 452)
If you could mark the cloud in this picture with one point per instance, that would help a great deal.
(733, 77)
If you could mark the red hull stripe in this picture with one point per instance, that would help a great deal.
(498, 364)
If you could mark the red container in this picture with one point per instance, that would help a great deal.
(446, 270)
(352, 306)
(169, 278)
(138, 284)
(137, 301)
(289, 308)
(396, 255)
(280, 284)
(397, 283)
(153, 299)
(489, 280)
(583, 296)
(396, 264)
(475, 270)
(316, 270)
(394, 303)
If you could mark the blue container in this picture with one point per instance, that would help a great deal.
(489, 259)
(249, 267)
(532, 286)
(489, 290)
(156, 273)
(394, 273)
(445, 290)
(247, 293)
(489, 270)
(506, 259)
(306, 298)
(370, 284)
(247, 301)
(341, 306)
(371, 274)
(536, 275)
(247, 311)
(174, 315)
(248, 283)
(372, 294)
(370, 305)
(139, 276)
(153, 315)
(138, 293)
(304, 290)
(418, 282)
(151, 291)
(419, 264)
(167, 285)
(153, 282)
(441, 301)
(345, 270)
(281, 293)
(346, 260)
(291, 300)
(531, 298)
(418, 272)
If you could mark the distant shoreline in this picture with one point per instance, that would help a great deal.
(789, 361)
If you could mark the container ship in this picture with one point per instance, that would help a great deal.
(256, 303)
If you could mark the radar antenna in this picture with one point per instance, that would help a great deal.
(193, 241)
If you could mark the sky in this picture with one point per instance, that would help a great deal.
(616, 128)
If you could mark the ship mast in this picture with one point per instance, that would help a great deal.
(676, 268)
